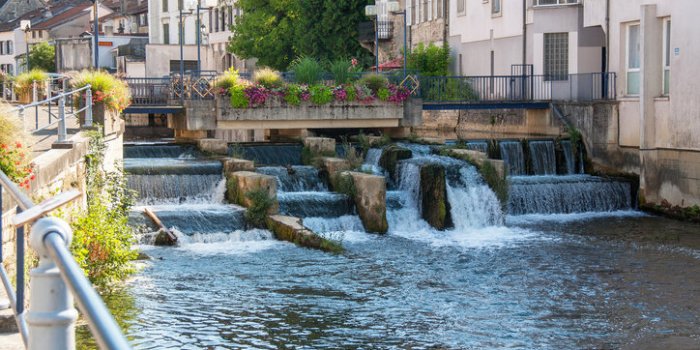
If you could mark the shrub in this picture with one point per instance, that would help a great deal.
(352, 155)
(374, 82)
(383, 94)
(363, 92)
(14, 151)
(268, 78)
(257, 95)
(226, 81)
(307, 70)
(102, 239)
(261, 202)
(239, 99)
(351, 92)
(342, 71)
(321, 94)
(293, 94)
(105, 87)
(25, 81)
(431, 60)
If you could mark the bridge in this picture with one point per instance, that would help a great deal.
(196, 108)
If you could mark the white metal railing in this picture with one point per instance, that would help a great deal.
(49, 321)
(63, 115)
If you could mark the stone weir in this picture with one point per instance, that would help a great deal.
(242, 182)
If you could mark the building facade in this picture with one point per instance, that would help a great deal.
(163, 50)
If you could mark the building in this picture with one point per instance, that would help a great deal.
(163, 50)
(649, 44)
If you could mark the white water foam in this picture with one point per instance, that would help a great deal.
(572, 217)
(234, 243)
(347, 228)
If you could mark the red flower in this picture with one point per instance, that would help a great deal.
(18, 145)
(3, 146)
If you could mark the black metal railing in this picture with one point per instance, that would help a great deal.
(519, 88)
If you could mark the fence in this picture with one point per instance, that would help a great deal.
(519, 88)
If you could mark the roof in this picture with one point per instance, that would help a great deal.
(56, 20)
(37, 18)
(393, 64)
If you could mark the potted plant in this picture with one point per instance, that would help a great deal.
(110, 96)
(24, 85)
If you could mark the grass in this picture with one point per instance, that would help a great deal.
(375, 82)
(227, 80)
(341, 70)
(24, 82)
(260, 204)
(105, 87)
(269, 78)
(307, 70)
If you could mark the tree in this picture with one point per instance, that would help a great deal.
(277, 31)
(431, 60)
(43, 56)
(265, 31)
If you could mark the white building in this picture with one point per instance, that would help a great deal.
(163, 50)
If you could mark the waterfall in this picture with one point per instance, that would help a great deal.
(567, 194)
(473, 203)
(512, 155)
(154, 189)
(315, 204)
(542, 157)
(481, 146)
(160, 151)
(190, 219)
(171, 166)
(335, 224)
(371, 163)
(280, 155)
(295, 178)
(569, 157)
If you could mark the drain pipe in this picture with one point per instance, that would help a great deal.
(607, 36)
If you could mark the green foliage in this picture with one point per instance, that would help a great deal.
(451, 89)
(238, 97)
(321, 94)
(383, 94)
(276, 31)
(343, 183)
(25, 81)
(268, 78)
(42, 56)
(431, 60)
(105, 87)
(575, 137)
(374, 82)
(14, 149)
(102, 238)
(293, 95)
(261, 202)
(307, 70)
(236, 151)
(351, 92)
(227, 80)
(341, 70)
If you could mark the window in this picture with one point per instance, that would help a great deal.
(166, 33)
(633, 60)
(424, 8)
(667, 56)
(230, 16)
(495, 7)
(555, 2)
(180, 4)
(10, 48)
(556, 56)
(165, 5)
(216, 20)
(461, 8)
(440, 6)
(2, 47)
(143, 20)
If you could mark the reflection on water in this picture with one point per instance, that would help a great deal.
(122, 303)
(603, 282)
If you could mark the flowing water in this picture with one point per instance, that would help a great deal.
(569, 157)
(543, 158)
(481, 146)
(512, 155)
(559, 271)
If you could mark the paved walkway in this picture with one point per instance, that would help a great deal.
(11, 341)
(46, 120)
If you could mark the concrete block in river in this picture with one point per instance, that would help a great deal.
(478, 159)
(433, 189)
(238, 184)
(216, 146)
(289, 228)
(320, 145)
(391, 157)
(370, 200)
(333, 165)
(232, 165)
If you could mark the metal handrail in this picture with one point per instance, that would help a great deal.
(51, 236)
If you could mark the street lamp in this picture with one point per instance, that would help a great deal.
(201, 28)
(26, 26)
(96, 34)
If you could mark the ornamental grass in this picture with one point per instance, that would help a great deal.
(106, 88)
